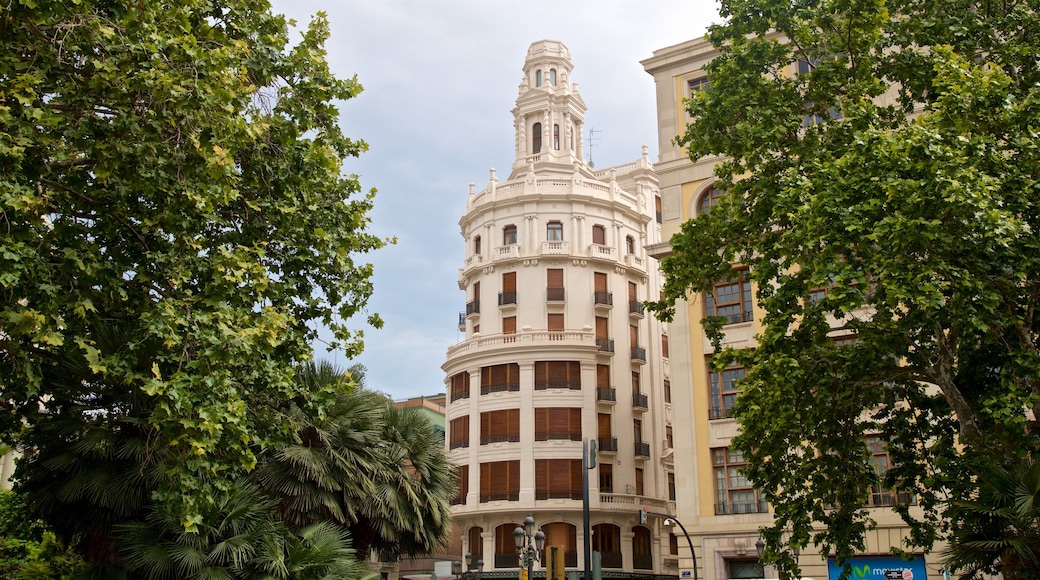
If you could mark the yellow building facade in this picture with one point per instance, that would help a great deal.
(721, 511)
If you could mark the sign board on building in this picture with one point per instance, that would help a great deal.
(686, 574)
(880, 568)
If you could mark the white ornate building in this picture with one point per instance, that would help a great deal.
(557, 346)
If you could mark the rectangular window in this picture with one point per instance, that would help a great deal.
(734, 494)
(599, 235)
(603, 340)
(606, 478)
(698, 84)
(459, 436)
(509, 235)
(554, 285)
(732, 299)
(557, 478)
(667, 391)
(657, 208)
(639, 481)
(554, 322)
(600, 294)
(724, 390)
(668, 441)
(460, 386)
(508, 294)
(463, 485)
(499, 378)
(557, 374)
(473, 306)
(671, 487)
(508, 325)
(500, 480)
(557, 423)
(554, 232)
(500, 426)
(664, 345)
(880, 494)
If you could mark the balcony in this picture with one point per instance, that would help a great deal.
(507, 252)
(601, 298)
(638, 354)
(555, 248)
(500, 388)
(554, 295)
(507, 438)
(605, 345)
(601, 251)
(557, 436)
(473, 307)
(607, 444)
(642, 449)
(640, 402)
(610, 560)
(506, 298)
(606, 395)
(636, 308)
(753, 507)
(570, 385)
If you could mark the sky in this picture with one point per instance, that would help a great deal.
(440, 78)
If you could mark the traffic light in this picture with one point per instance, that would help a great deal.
(642, 515)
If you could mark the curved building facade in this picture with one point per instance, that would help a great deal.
(558, 348)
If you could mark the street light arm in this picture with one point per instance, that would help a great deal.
(693, 556)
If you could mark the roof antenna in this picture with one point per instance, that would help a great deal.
(592, 138)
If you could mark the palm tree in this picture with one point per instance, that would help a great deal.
(378, 471)
(999, 530)
(242, 541)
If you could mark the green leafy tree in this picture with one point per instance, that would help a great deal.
(881, 163)
(173, 169)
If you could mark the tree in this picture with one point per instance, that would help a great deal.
(378, 471)
(173, 170)
(881, 163)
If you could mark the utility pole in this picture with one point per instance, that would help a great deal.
(588, 462)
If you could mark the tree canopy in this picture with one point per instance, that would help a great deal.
(175, 226)
(881, 163)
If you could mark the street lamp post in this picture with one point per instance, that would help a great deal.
(693, 556)
(529, 544)
(473, 565)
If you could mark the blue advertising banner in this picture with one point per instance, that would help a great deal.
(880, 568)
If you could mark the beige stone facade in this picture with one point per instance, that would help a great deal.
(557, 347)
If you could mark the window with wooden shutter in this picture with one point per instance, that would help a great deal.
(459, 436)
(460, 386)
(499, 378)
(599, 235)
(560, 374)
(508, 295)
(602, 375)
(558, 478)
(566, 535)
(664, 345)
(554, 285)
(603, 340)
(639, 481)
(603, 425)
(606, 477)
(555, 322)
(600, 294)
(500, 426)
(508, 325)
(500, 480)
(463, 485)
(557, 423)
(476, 542)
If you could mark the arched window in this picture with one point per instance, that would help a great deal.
(566, 535)
(509, 235)
(476, 542)
(642, 558)
(556, 137)
(505, 545)
(538, 78)
(536, 138)
(709, 198)
(630, 244)
(476, 245)
(606, 539)
(552, 77)
(599, 235)
(554, 231)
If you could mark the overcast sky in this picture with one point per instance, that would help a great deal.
(440, 79)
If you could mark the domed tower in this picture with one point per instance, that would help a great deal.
(557, 346)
